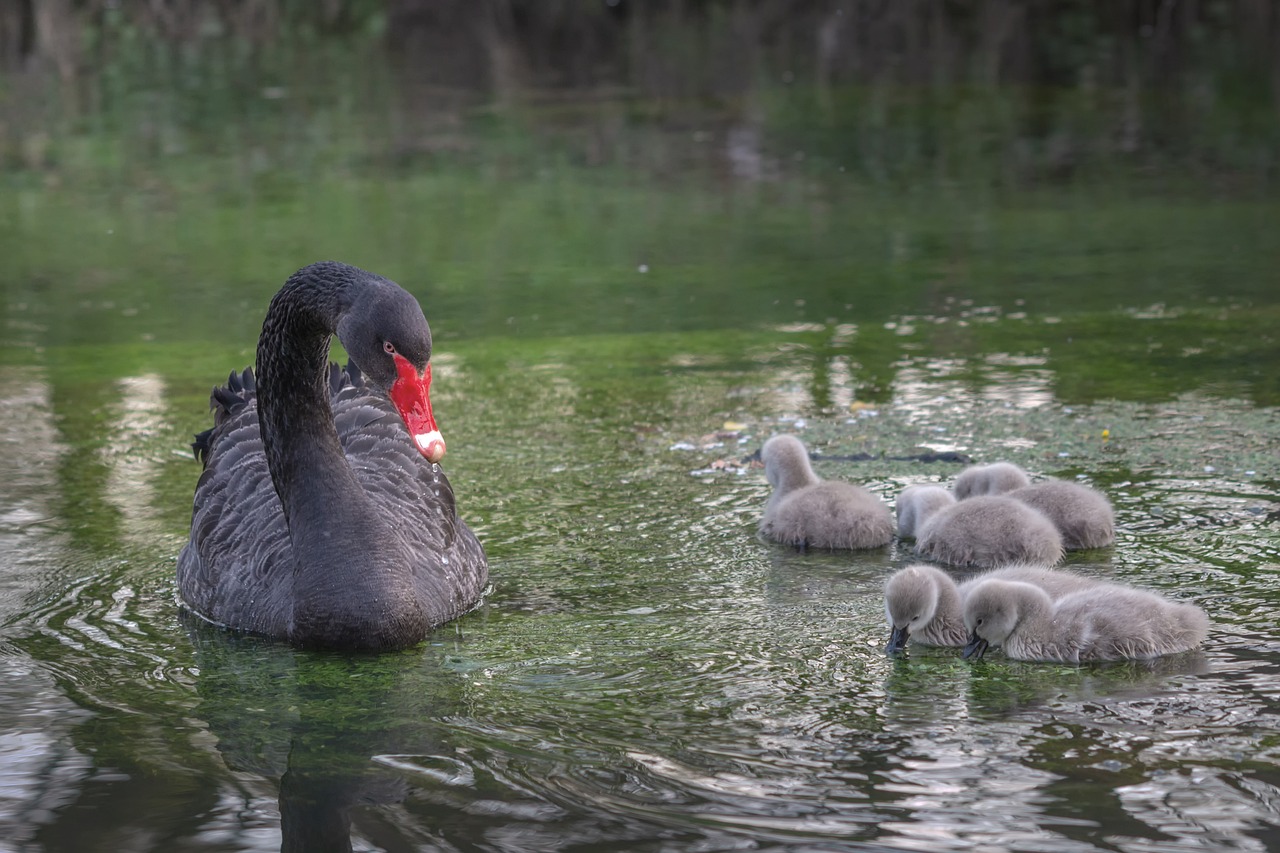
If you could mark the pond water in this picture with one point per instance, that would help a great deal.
(645, 673)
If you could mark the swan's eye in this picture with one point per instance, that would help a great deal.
(389, 347)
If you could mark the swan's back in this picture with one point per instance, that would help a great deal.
(1103, 623)
(238, 567)
(1082, 515)
(917, 503)
(989, 531)
(994, 479)
(1056, 583)
(829, 515)
(1122, 623)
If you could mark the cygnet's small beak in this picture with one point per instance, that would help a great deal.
(897, 640)
(976, 648)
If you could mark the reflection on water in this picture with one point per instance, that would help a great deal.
(317, 726)
(137, 419)
(29, 454)
(647, 673)
(43, 771)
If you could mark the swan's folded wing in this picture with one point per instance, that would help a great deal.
(389, 466)
(239, 540)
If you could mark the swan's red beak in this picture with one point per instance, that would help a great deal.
(412, 395)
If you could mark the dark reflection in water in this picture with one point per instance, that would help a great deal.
(315, 724)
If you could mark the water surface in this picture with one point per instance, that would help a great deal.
(646, 673)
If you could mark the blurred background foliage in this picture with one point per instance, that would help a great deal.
(1005, 91)
(519, 162)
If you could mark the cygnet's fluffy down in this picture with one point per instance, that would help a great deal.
(985, 532)
(916, 503)
(994, 479)
(1111, 622)
(924, 605)
(806, 511)
(1082, 515)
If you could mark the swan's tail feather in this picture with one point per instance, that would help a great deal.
(228, 399)
(225, 401)
(242, 389)
(200, 447)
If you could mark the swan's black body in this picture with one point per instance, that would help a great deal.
(317, 519)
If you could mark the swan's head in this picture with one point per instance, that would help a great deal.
(910, 602)
(786, 462)
(992, 611)
(387, 336)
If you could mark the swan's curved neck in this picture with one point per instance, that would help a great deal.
(795, 472)
(349, 579)
(298, 434)
(1035, 607)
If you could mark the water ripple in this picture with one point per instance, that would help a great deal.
(647, 673)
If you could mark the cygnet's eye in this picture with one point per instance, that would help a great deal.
(389, 347)
(915, 618)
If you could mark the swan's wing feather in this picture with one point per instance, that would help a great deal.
(415, 494)
(226, 399)
(394, 474)
(353, 373)
(239, 547)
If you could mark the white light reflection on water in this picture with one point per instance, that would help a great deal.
(136, 418)
(30, 452)
(42, 770)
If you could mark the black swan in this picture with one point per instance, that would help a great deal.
(322, 516)
(919, 502)
(1082, 515)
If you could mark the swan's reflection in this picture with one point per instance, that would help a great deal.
(317, 723)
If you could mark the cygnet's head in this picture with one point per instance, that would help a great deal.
(994, 479)
(786, 463)
(992, 611)
(910, 602)
(917, 504)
